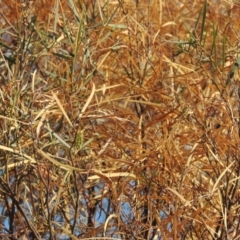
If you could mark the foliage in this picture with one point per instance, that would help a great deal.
(119, 119)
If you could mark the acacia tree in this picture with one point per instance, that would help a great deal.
(119, 119)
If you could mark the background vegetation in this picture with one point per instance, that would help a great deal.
(119, 119)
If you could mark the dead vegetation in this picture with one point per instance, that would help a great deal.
(119, 119)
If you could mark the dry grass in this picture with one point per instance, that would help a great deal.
(107, 104)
